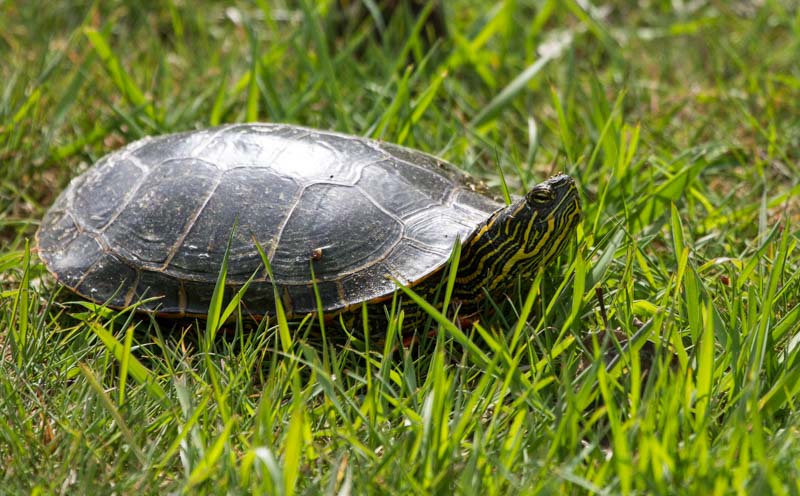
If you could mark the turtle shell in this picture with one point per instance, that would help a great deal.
(152, 220)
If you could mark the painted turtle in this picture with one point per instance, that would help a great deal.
(153, 220)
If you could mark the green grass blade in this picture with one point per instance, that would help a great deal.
(124, 363)
(622, 456)
(280, 314)
(236, 300)
(121, 79)
(445, 323)
(215, 117)
(19, 313)
(294, 449)
(213, 319)
(506, 96)
(207, 465)
(135, 368)
(705, 368)
(527, 307)
(112, 410)
(564, 127)
(252, 87)
(186, 429)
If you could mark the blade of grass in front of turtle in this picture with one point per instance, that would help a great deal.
(365, 325)
(394, 324)
(533, 292)
(578, 271)
(236, 299)
(455, 258)
(213, 320)
(495, 307)
(320, 315)
(445, 324)
(280, 314)
(317, 298)
(213, 324)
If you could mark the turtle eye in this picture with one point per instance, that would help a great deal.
(541, 195)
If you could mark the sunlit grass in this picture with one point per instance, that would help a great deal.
(678, 121)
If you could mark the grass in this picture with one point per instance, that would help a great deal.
(678, 120)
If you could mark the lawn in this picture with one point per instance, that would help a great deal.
(659, 354)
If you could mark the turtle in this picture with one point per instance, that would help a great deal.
(341, 217)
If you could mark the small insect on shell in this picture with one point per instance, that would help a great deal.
(316, 254)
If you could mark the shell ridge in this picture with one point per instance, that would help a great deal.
(377, 146)
(289, 211)
(173, 250)
(383, 209)
(287, 143)
(129, 195)
(210, 137)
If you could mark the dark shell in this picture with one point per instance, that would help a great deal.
(153, 219)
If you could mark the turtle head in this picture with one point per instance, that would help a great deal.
(521, 238)
(555, 200)
(547, 216)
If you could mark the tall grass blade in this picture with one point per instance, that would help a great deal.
(124, 363)
(121, 78)
(280, 313)
(139, 372)
(445, 323)
(213, 320)
(294, 449)
(19, 312)
(518, 84)
(113, 411)
(208, 463)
